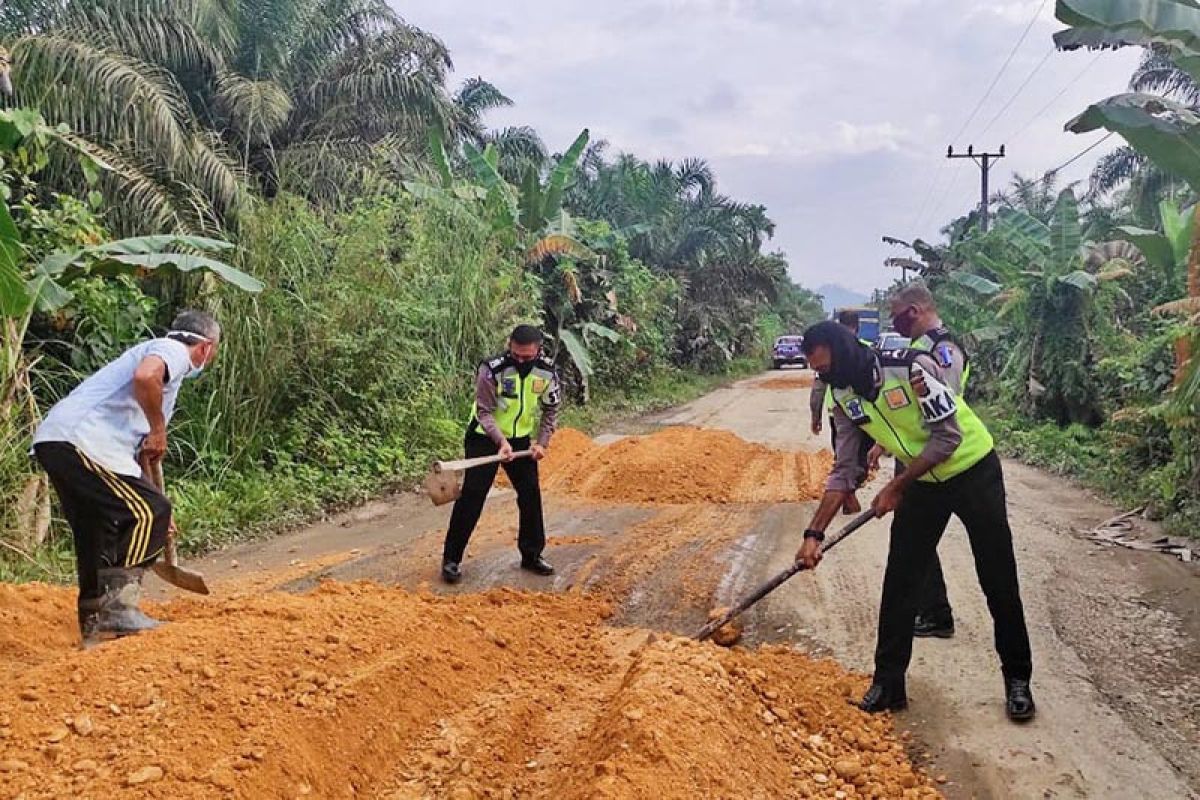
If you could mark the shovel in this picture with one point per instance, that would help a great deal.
(168, 567)
(444, 481)
(775, 582)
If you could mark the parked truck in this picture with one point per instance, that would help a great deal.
(868, 321)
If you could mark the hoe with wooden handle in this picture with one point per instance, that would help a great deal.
(444, 481)
(168, 567)
(775, 582)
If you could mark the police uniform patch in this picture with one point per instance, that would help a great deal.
(945, 356)
(936, 401)
(855, 411)
(539, 385)
(508, 387)
(896, 398)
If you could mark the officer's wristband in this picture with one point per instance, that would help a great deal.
(811, 534)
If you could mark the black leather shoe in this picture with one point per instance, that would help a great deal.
(926, 627)
(1019, 700)
(451, 572)
(538, 565)
(881, 697)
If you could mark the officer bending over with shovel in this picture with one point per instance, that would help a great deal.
(900, 400)
(97, 444)
(509, 391)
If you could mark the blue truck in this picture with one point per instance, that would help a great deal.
(868, 321)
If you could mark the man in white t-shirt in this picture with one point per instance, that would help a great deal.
(96, 445)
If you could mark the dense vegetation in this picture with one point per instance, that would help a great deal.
(1083, 310)
(397, 236)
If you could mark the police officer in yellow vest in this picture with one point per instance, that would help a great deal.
(511, 391)
(915, 315)
(820, 404)
(899, 399)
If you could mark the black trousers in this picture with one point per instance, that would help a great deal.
(116, 520)
(523, 473)
(932, 602)
(977, 498)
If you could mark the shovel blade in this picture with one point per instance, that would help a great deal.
(183, 578)
(443, 487)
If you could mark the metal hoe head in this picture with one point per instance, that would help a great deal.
(185, 579)
(443, 486)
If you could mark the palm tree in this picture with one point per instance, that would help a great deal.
(187, 99)
(1034, 196)
(680, 225)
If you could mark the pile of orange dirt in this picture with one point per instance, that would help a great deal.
(801, 381)
(566, 447)
(685, 465)
(357, 690)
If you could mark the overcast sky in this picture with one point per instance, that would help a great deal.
(834, 114)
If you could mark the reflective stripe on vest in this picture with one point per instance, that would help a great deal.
(896, 420)
(517, 399)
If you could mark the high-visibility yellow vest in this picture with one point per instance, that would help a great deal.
(897, 418)
(519, 396)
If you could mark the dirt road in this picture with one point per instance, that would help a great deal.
(1116, 634)
(479, 691)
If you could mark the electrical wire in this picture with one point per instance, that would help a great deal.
(1087, 68)
(1083, 152)
(1028, 79)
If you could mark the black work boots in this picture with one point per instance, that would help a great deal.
(929, 627)
(539, 566)
(115, 612)
(884, 696)
(891, 696)
(1018, 698)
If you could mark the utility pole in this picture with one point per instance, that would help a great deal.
(984, 162)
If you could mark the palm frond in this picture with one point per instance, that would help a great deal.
(257, 109)
(103, 95)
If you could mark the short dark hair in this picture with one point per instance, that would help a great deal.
(526, 334)
(849, 318)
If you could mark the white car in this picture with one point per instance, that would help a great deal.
(892, 341)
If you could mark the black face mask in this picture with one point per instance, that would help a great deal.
(524, 368)
(852, 364)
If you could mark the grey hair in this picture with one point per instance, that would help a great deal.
(197, 323)
(915, 293)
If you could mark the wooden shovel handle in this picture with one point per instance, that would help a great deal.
(468, 463)
(780, 578)
(155, 473)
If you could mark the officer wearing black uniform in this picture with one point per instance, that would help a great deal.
(914, 314)
(901, 400)
(512, 390)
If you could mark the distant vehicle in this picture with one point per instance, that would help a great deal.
(787, 351)
(868, 321)
(891, 341)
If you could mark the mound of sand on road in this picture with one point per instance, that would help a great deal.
(362, 691)
(684, 465)
(801, 381)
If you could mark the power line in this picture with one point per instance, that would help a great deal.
(1003, 67)
(1087, 68)
(938, 173)
(1083, 152)
(1028, 79)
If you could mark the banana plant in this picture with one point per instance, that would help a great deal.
(1166, 132)
(1042, 280)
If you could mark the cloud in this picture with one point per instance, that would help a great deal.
(834, 115)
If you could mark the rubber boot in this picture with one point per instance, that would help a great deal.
(116, 612)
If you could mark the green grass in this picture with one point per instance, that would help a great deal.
(238, 505)
(1124, 467)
